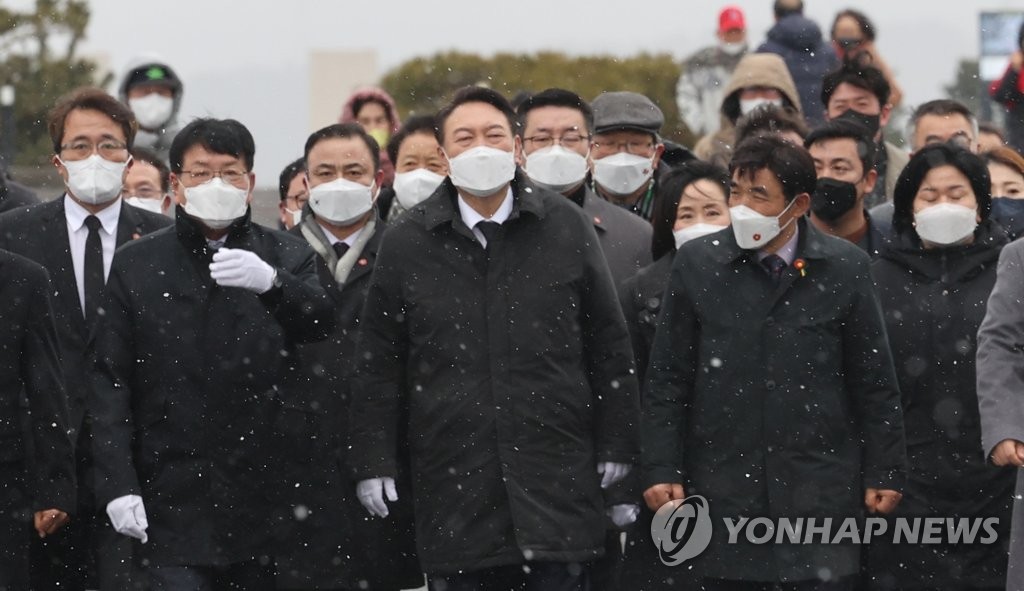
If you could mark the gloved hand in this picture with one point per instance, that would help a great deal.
(613, 472)
(234, 267)
(623, 515)
(371, 493)
(128, 516)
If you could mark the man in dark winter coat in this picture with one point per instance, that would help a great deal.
(37, 464)
(493, 320)
(799, 42)
(771, 390)
(331, 541)
(74, 237)
(194, 356)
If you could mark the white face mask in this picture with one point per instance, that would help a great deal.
(216, 203)
(556, 168)
(413, 187)
(733, 48)
(482, 171)
(149, 204)
(152, 111)
(295, 214)
(695, 231)
(748, 105)
(623, 173)
(945, 223)
(341, 202)
(95, 180)
(754, 230)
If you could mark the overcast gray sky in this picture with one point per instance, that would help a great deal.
(248, 60)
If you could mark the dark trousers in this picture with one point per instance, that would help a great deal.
(533, 576)
(242, 576)
(15, 527)
(86, 553)
(842, 584)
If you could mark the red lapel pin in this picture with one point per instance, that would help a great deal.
(801, 266)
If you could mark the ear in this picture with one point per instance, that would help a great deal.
(801, 205)
(885, 115)
(252, 187)
(869, 181)
(61, 170)
(658, 151)
(517, 151)
(378, 179)
(179, 190)
(165, 204)
(127, 167)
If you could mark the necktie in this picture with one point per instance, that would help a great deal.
(775, 266)
(93, 275)
(340, 248)
(489, 230)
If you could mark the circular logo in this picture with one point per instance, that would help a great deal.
(681, 529)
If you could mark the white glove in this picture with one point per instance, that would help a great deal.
(613, 472)
(234, 267)
(128, 517)
(623, 515)
(371, 494)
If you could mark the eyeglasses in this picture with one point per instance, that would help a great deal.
(568, 140)
(633, 147)
(107, 149)
(198, 176)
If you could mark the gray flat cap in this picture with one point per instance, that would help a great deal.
(626, 110)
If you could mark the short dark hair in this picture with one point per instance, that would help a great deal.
(669, 193)
(924, 160)
(294, 169)
(839, 129)
(941, 108)
(556, 97)
(770, 119)
(783, 8)
(859, 73)
(412, 126)
(343, 130)
(150, 157)
(867, 28)
(93, 99)
(220, 136)
(792, 165)
(475, 94)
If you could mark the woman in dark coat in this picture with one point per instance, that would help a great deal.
(691, 202)
(934, 281)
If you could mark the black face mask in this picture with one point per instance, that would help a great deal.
(1009, 213)
(871, 122)
(833, 198)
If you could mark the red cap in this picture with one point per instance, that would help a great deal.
(731, 18)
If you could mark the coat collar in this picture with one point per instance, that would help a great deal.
(445, 209)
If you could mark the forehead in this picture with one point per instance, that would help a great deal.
(200, 154)
(475, 116)
(1002, 170)
(555, 117)
(762, 177)
(340, 151)
(943, 125)
(847, 24)
(848, 92)
(623, 135)
(421, 141)
(90, 122)
(833, 148)
(296, 186)
(142, 170)
(943, 176)
(702, 192)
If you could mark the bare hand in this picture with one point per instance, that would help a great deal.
(49, 520)
(1008, 452)
(882, 501)
(659, 494)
